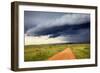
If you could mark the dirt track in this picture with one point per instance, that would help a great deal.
(66, 54)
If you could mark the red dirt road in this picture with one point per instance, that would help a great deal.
(66, 54)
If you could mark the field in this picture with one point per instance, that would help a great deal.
(43, 52)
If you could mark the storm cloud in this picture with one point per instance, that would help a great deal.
(73, 27)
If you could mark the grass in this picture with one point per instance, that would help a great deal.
(43, 52)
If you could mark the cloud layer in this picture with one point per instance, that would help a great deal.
(73, 27)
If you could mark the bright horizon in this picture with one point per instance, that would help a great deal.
(31, 40)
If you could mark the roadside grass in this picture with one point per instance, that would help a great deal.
(43, 52)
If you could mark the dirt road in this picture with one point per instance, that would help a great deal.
(66, 54)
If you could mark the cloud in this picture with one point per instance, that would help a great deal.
(82, 36)
(72, 19)
(41, 20)
(71, 26)
(58, 30)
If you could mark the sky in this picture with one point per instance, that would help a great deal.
(56, 27)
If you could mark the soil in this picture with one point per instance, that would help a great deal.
(66, 54)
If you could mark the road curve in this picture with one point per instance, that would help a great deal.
(66, 54)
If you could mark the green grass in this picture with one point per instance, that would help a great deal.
(43, 52)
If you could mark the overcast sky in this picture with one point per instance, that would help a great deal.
(71, 27)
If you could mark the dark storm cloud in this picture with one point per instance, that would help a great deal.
(82, 36)
(61, 30)
(72, 26)
(34, 19)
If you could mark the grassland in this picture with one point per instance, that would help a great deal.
(43, 52)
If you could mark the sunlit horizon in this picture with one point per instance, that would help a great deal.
(32, 40)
